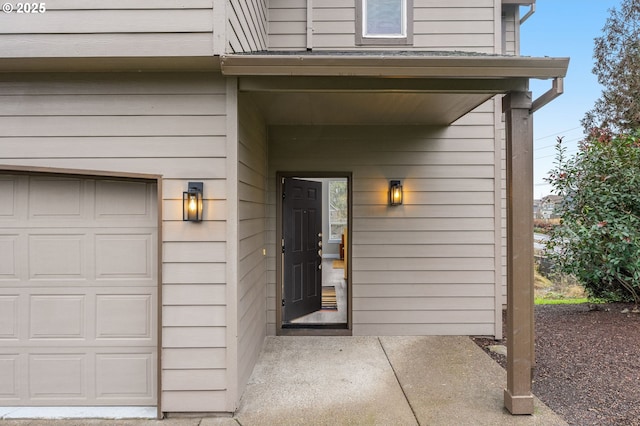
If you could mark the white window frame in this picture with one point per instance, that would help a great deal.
(403, 21)
(346, 223)
(405, 38)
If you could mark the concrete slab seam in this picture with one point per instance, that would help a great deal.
(398, 380)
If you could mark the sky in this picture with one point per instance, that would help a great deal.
(563, 28)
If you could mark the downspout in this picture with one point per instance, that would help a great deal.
(309, 25)
(532, 10)
(556, 90)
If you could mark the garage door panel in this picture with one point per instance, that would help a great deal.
(77, 224)
(99, 316)
(78, 291)
(54, 198)
(57, 316)
(58, 257)
(124, 376)
(124, 316)
(37, 344)
(71, 284)
(55, 376)
(79, 376)
(124, 256)
(117, 200)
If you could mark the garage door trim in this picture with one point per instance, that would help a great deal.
(139, 177)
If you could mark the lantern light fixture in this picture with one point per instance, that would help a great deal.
(395, 193)
(192, 202)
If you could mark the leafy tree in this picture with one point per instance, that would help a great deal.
(598, 239)
(617, 66)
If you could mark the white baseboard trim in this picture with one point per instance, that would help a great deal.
(7, 413)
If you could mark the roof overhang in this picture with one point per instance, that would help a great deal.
(428, 65)
(384, 88)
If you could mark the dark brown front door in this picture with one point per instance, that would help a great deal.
(302, 249)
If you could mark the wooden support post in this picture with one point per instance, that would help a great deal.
(518, 398)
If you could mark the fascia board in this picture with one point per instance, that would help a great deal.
(395, 66)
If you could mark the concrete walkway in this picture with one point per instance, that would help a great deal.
(379, 381)
(365, 381)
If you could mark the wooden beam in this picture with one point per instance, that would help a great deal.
(518, 398)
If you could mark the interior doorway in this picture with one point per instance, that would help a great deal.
(313, 234)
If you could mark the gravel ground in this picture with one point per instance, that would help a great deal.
(587, 362)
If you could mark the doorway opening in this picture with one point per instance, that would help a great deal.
(313, 268)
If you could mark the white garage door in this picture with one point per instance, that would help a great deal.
(78, 291)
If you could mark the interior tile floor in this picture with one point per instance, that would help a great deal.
(330, 277)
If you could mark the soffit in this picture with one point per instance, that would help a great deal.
(380, 88)
(313, 108)
(368, 100)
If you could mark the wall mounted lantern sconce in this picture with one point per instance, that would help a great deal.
(192, 202)
(395, 193)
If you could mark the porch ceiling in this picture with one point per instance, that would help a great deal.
(367, 100)
(314, 108)
(391, 88)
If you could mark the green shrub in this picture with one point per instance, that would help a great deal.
(598, 239)
(544, 226)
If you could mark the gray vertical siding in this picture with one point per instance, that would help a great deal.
(247, 25)
(466, 25)
(510, 30)
(427, 267)
(78, 28)
(167, 124)
(252, 266)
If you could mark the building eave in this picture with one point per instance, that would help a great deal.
(394, 65)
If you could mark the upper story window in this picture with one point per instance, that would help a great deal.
(385, 18)
(384, 22)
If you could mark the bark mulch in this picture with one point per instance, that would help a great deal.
(587, 362)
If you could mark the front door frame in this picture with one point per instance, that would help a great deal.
(280, 331)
